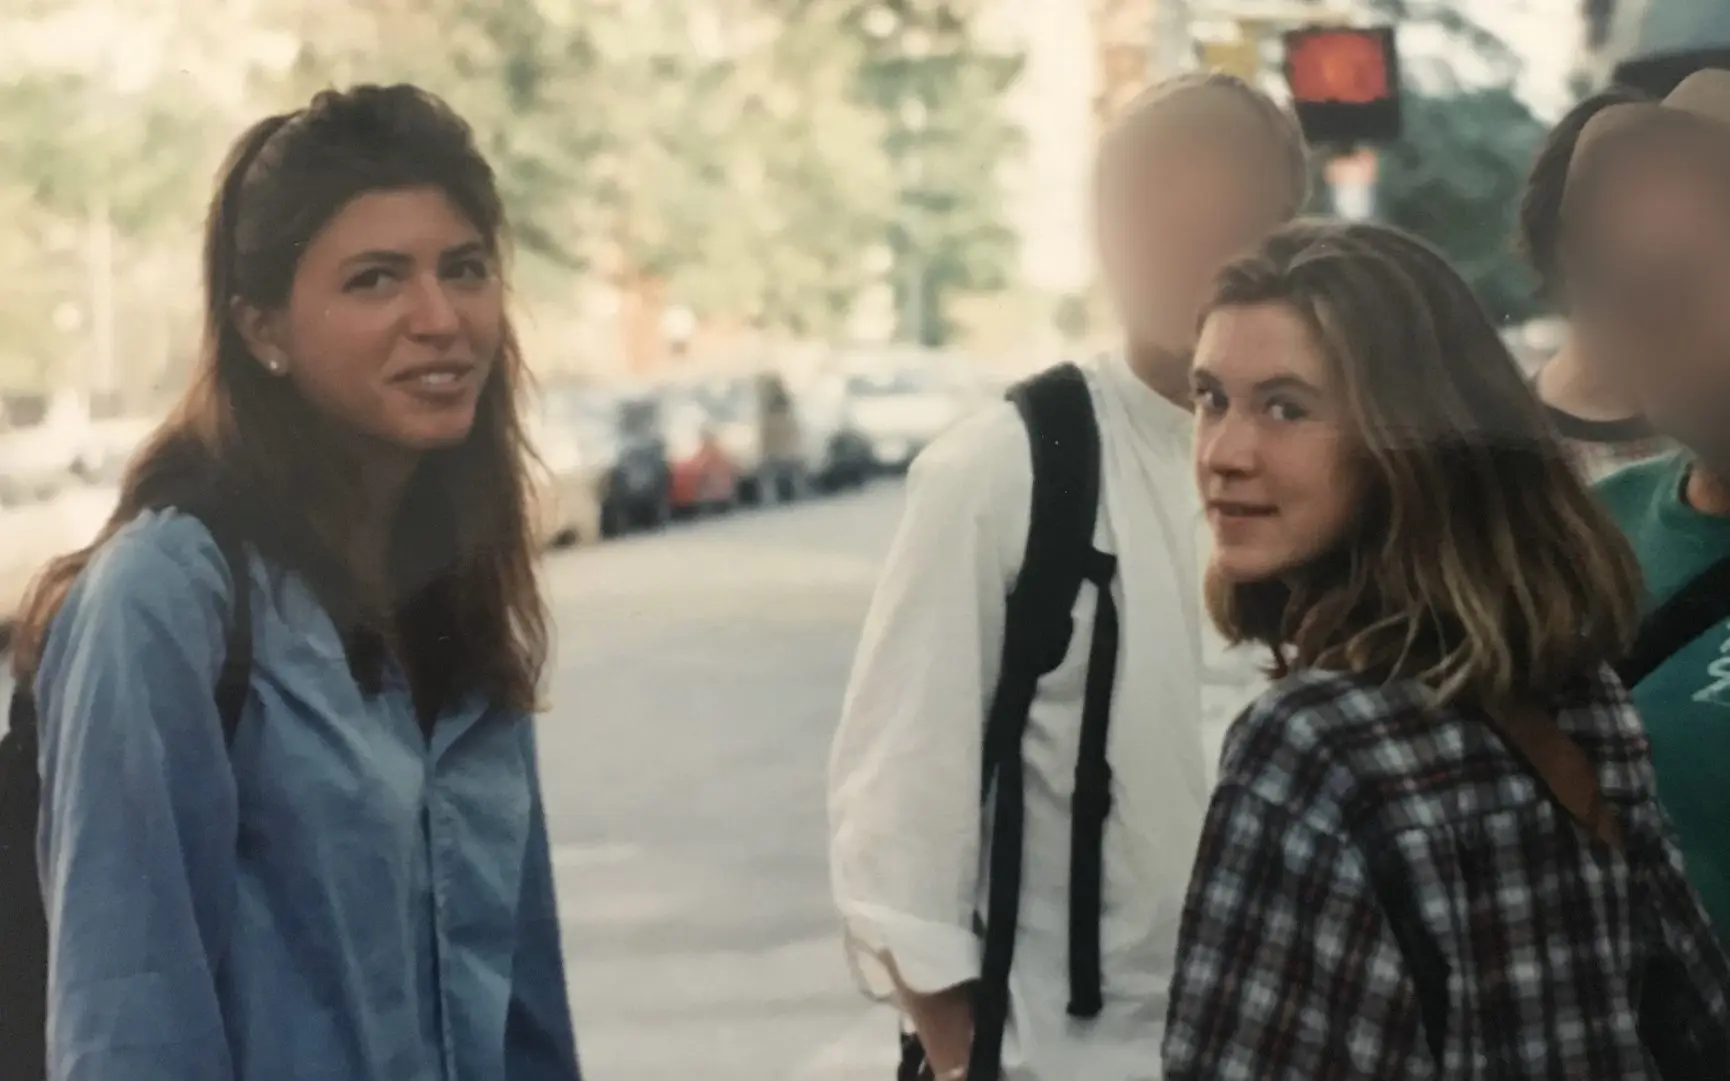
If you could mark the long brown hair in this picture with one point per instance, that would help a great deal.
(464, 600)
(1479, 564)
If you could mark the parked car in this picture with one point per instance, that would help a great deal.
(840, 453)
(108, 445)
(567, 502)
(40, 522)
(704, 476)
(622, 433)
(755, 419)
(901, 410)
(33, 536)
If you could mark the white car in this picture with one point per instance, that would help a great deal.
(39, 529)
(901, 411)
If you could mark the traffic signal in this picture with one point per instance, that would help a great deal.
(1345, 83)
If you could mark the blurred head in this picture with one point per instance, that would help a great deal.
(355, 330)
(1578, 381)
(1196, 170)
(1646, 256)
(1384, 492)
(1540, 218)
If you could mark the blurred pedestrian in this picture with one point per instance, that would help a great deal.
(1580, 387)
(1064, 511)
(1436, 849)
(290, 823)
(1647, 254)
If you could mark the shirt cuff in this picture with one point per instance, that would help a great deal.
(929, 956)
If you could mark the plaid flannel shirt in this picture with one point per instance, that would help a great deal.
(1385, 891)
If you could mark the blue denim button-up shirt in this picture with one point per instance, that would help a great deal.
(336, 897)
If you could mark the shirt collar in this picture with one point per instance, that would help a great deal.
(1156, 418)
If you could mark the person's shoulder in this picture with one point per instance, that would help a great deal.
(985, 455)
(159, 584)
(1632, 487)
(162, 556)
(1299, 744)
(978, 443)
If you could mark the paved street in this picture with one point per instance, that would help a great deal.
(699, 677)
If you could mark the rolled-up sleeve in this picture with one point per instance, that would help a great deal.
(904, 772)
(137, 835)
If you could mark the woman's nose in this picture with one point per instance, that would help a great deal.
(1228, 444)
(435, 313)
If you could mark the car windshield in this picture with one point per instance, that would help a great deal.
(725, 402)
(637, 418)
(887, 384)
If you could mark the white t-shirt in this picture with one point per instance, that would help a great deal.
(904, 801)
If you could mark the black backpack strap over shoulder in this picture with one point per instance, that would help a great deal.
(1425, 962)
(1090, 805)
(234, 680)
(1668, 629)
(1057, 408)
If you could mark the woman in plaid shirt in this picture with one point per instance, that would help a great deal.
(1435, 850)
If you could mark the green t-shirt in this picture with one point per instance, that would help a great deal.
(1685, 703)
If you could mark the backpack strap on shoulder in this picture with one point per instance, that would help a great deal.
(234, 680)
(1090, 805)
(1671, 627)
(1057, 408)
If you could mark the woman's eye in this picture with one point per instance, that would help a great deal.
(1208, 399)
(369, 279)
(470, 270)
(1285, 411)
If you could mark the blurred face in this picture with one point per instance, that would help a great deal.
(394, 320)
(1172, 212)
(1272, 461)
(1649, 277)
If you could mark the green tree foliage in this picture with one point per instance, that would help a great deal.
(948, 138)
(1454, 178)
(743, 158)
(81, 157)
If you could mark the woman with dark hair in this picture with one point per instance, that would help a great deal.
(354, 882)
(1589, 408)
(1435, 850)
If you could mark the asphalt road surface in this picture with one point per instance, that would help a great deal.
(699, 678)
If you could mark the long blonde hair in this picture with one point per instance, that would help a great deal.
(1479, 564)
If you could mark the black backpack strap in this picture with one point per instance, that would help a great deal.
(1425, 962)
(1091, 803)
(1690, 612)
(234, 680)
(1057, 408)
